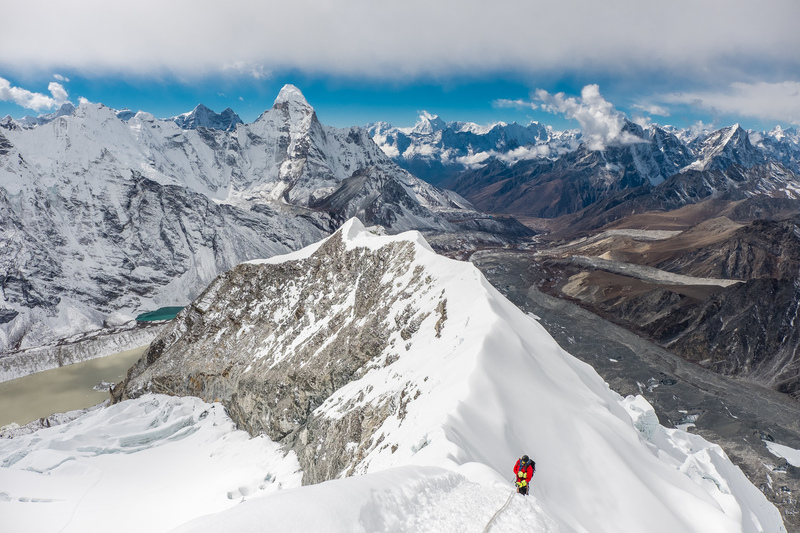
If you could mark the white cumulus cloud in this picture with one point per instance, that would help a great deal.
(600, 122)
(31, 100)
(59, 92)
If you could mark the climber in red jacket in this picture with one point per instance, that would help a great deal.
(523, 471)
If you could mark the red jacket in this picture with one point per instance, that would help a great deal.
(528, 469)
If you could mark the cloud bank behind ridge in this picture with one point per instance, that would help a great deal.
(395, 40)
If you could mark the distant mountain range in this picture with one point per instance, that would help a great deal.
(437, 151)
(536, 171)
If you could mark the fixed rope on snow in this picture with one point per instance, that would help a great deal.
(491, 520)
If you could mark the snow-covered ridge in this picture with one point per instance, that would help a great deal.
(451, 376)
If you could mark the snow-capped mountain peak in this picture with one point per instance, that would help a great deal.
(202, 116)
(436, 151)
(428, 124)
(724, 147)
(291, 95)
(66, 109)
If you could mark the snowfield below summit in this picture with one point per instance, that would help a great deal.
(488, 385)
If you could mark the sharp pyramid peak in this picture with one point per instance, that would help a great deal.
(290, 93)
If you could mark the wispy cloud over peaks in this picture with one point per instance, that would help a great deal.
(504, 103)
(653, 109)
(770, 101)
(251, 70)
(31, 100)
(602, 125)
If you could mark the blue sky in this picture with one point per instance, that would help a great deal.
(715, 61)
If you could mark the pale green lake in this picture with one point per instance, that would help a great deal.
(62, 389)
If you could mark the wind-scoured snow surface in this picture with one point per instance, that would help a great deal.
(474, 390)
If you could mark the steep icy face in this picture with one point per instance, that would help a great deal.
(203, 117)
(367, 352)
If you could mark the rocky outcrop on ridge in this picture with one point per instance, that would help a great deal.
(273, 341)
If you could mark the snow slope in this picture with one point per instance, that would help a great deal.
(148, 465)
(469, 391)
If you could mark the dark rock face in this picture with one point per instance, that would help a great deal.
(272, 342)
(747, 330)
(762, 191)
(763, 249)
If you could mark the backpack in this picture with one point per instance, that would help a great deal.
(530, 462)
